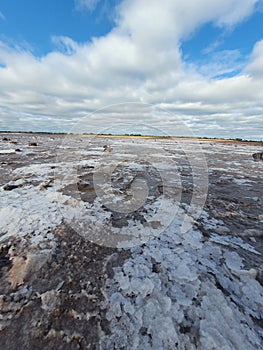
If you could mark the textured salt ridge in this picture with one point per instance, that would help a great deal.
(181, 292)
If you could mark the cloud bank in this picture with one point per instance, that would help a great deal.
(140, 60)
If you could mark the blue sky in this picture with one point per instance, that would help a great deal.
(199, 62)
(36, 22)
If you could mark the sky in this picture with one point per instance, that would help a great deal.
(192, 67)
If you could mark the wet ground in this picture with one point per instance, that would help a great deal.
(68, 208)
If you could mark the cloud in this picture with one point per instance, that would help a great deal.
(213, 46)
(65, 44)
(176, 19)
(90, 5)
(138, 61)
(255, 68)
(221, 63)
(2, 16)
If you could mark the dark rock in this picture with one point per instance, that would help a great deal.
(9, 187)
(45, 185)
(257, 156)
(5, 263)
(32, 144)
(88, 167)
(83, 186)
(107, 148)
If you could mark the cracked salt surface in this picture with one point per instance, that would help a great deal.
(181, 292)
(25, 211)
(195, 290)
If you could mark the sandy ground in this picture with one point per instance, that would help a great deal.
(83, 266)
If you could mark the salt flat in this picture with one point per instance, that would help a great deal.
(154, 245)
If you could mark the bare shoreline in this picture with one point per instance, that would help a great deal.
(151, 137)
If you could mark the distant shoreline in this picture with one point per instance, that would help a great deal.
(132, 136)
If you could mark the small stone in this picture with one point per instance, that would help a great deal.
(49, 300)
(153, 224)
(45, 185)
(9, 187)
(252, 232)
(17, 272)
(2, 300)
(107, 148)
(251, 273)
(51, 334)
(222, 230)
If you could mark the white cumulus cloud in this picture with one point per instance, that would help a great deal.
(139, 60)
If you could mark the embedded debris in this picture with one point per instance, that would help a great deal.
(107, 148)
